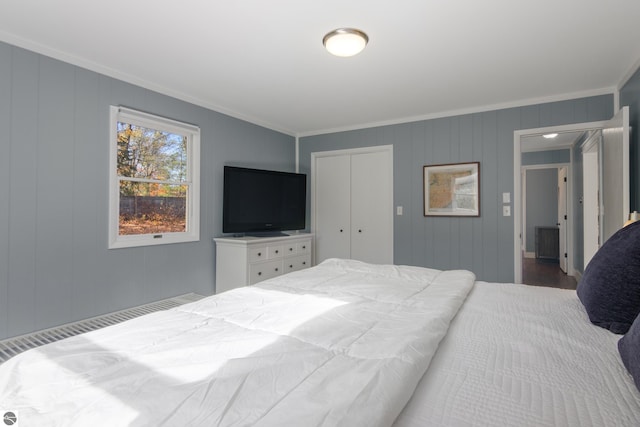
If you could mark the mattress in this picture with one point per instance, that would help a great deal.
(518, 355)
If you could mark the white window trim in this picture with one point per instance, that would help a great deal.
(192, 233)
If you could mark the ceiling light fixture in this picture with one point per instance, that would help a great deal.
(345, 41)
(550, 135)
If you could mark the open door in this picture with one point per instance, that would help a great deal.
(591, 205)
(606, 182)
(616, 190)
(615, 173)
(562, 217)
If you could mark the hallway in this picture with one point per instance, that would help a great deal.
(540, 273)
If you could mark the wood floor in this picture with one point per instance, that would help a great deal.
(545, 273)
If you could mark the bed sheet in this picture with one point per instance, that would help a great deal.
(518, 355)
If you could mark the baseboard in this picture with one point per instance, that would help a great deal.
(577, 275)
(529, 254)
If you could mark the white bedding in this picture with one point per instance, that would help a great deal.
(343, 343)
(519, 355)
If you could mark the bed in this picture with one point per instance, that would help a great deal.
(519, 355)
(341, 344)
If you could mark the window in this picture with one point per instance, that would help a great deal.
(154, 193)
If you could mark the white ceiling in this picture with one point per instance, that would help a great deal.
(564, 140)
(263, 61)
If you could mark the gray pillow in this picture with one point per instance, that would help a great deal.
(629, 348)
(610, 286)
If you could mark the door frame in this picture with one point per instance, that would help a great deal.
(517, 189)
(565, 221)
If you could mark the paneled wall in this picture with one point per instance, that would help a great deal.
(630, 96)
(54, 263)
(483, 245)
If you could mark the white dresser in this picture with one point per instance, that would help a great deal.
(242, 261)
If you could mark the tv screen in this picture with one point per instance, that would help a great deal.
(262, 201)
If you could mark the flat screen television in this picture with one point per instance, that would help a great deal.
(259, 202)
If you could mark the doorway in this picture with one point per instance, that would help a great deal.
(614, 185)
(545, 220)
(567, 138)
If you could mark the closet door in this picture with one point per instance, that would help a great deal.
(332, 194)
(372, 207)
(352, 204)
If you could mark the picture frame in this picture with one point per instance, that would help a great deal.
(452, 189)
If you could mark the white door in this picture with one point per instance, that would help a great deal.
(562, 217)
(371, 208)
(352, 204)
(615, 173)
(591, 196)
(331, 207)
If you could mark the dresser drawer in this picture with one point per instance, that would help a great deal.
(304, 247)
(297, 263)
(291, 249)
(264, 270)
(258, 254)
(275, 251)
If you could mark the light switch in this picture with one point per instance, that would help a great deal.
(506, 197)
(506, 211)
(398, 210)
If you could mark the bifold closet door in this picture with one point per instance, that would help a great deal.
(371, 208)
(353, 205)
(332, 207)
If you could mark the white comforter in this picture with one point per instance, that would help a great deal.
(343, 343)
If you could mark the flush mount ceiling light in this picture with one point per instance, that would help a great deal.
(345, 41)
(550, 135)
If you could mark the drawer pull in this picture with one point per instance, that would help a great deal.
(304, 247)
(290, 249)
(304, 262)
(276, 268)
(259, 273)
(290, 265)
(277, 251)
(259, 253)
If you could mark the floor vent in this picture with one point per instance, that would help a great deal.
(12, 346)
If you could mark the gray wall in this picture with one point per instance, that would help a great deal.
(546, 157)
(483, 245)
(630, 96)
(542, 202)
(54, 263)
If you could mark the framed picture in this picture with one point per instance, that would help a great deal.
(452, 189)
